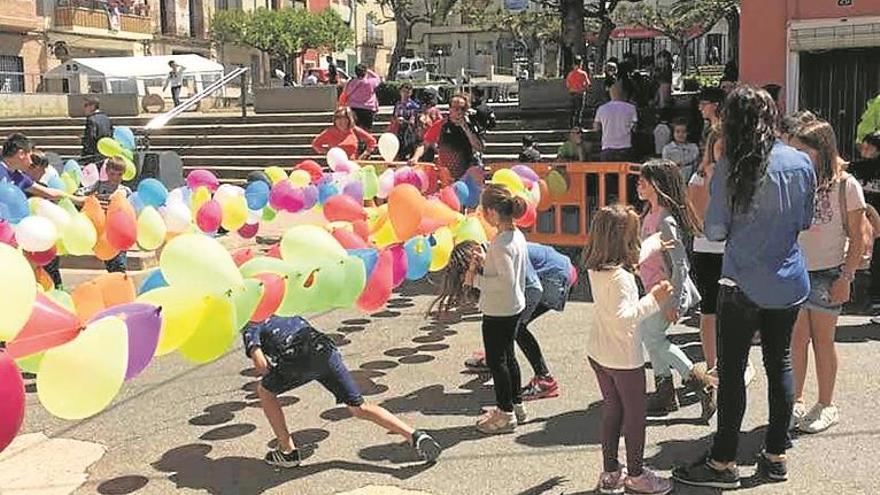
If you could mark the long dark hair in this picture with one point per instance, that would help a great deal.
(453, 292)
(749, 122)
(666, 179)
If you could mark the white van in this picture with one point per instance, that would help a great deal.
(412, 69)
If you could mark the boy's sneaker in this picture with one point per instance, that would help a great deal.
(648, 483)
(519, 411)
(612, 482)
(798, 413)
(497, 421)
(280, 459)
(702, 474)
(541, 388)
(426, 446)
(477, 361)
(771, 470)
(820, 418)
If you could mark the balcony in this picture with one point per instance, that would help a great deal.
(90, 15)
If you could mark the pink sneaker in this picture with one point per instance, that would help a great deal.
(612, 482)
(477, 361)
(648, 484)
(541, 388)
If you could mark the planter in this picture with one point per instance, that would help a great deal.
(124, 105)
(295, 99)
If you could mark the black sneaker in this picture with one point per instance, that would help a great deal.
(702, 474)
(426, 446)
(280, 459)
(771, 470)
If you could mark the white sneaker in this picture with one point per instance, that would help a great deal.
(820, 418)
(749, 375)
(798, 413)
(519, 411)
(497, 421)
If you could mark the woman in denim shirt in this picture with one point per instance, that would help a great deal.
(761, 199)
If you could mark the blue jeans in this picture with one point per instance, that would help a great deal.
(118, 263)
(665, 356)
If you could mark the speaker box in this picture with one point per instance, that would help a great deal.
(164, 166)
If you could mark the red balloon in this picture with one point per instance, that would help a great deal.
(242, 256)
(399, 265)
(312, 168)
(249, 230)
(378, 289)
(362, 229)
(12, 405)
(274, 251)
(121, 230)
(7, 234)
(209, 216)
(450, 199)
(49, 325)
(42, 258)
(349, 239)
(529, 218)
(344, 208)
(273, 293)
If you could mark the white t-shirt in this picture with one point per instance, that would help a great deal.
(824, 245)
(618, 119)
(614, 340)
(662, 137)
(701, 243)
(503, 282)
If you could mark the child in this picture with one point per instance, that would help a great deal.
(500, 275)
(615, 350)
(403, 121)
(669, 214)
(680, 151)
(288, 353)
(529, 153)
(115, 168)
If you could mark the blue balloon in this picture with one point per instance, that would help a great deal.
(474, 192)
(257, 195)
(154, 280)
(73, 168)
(418, 257)
(152, 192)
(461, 191)
(55, 182)
(369, 256)
(136, 202)
(125, 137)
(326, 191)
(13, 201)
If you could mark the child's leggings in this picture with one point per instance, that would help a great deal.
(665, 356)
(623, 407)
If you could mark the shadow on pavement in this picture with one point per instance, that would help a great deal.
(857, 334)
(571, 428)
(122, 485)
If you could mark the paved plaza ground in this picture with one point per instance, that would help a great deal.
(180, 428)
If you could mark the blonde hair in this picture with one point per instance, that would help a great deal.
(820, 137)
(614, 239)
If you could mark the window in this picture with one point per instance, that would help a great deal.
(404, 66)
(11, 74)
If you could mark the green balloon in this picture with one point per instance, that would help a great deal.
(246, 299)
(268, 214)
(370, 180)
(355, 280)
(266, 264)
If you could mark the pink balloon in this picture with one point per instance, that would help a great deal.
(422, 176)
(202, 177)
(249, 230)
(7, 234)
(209, 216)
(102, 175)
(285, 197)
(399, 265)
(343, 208)
(378, 289)
(12, 405)
(144, 321)
(349, 239)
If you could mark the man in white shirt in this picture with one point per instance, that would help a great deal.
(175, 80)
(616, 120)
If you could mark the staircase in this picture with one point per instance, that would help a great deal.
(233, 146)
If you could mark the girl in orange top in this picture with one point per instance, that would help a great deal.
(346, 135)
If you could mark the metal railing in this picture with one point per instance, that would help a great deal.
(162, 120)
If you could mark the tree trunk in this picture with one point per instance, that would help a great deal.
(733, 24)
(404, 29)
(604, 36)
(683, 55)
(572, 32)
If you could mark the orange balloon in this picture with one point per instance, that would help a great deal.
(546, 201)
(88, 301)
(405, 204)
(92, 209)
(104, 251)
(43, 279)
(437, 210)
(115, 288)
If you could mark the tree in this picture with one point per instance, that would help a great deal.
(284, 34)
(730, 10)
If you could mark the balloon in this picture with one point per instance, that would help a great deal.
(152, 192)
(276, 174)
(385, 236)
(90, 175)
(440, 213)
(546, 200)
(55, 182)
(62, 298)
(92, 209)
(470, 229)
(257, 195)
(152, 281)
(369, 257)
(214, 333)
(248, 230)
(525, 172)
(418, 257)
(30, 364)
(177, 217)
(209, 217)
(509, 179)
(69, 182)
(13, 203)
(202, 178)
(103, 250)
(125, 137)
(273, 293)
(48, 326)
(72, 168)
(56, 214)
(12, 405)
(266, 264)
(312, 168)
(79, 236)
(441, 250)
(110, 147)
(198, 264)
(246, 299)
(274, 251)
(336, 157)
(528, 219)
(475, 189)
(405, 210)
(348, 239)
(355, 278)
(36, 234)
(268, 214)
(556, 184)
(300, 178)
(80, 378)
(386, 183)
(7, 234)
(399, 265)
(343, 208)
(378, 288)
(143, 323)
(181, 312)
(227, 192)
(112, 289)
(151, 229)
(406, 175)
(199, 197)
(121, 226)
(310, 243)
(370, 180)
(42, 258)
(389, 145)
(283, 196)
(355, 190)
(449, 197)
(348, 167)
(235, 213)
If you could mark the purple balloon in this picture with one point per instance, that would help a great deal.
(144, 321)
(310, 196)
(525, 172)
(355, 190)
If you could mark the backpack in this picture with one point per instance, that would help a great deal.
(871, 226)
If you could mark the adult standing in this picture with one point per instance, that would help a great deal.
(98, 125)
(663, 78)
(616, 119)
(867, 171)
(458, 143)
(332, 72)
(175, 80)
(578, 84)
(761, 199)
(360, 96)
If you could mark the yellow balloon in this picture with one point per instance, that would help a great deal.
(181, 313)
(470, 230)
(311, 245)
(17, 292)
(34, 204)
(442, 250)
(80, 378)
(199, 264)
(276, 174)
(199, 197)
(30, 364)
(110, 147)
(79, 235)
(130, 170)
(235, 213)
(376, 215)
(151, 230)
(215, 331)
(246, 299)
(509, 179)
(385, 236)
(69, 183)
(300, 178)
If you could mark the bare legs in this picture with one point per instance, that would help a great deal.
(817, 327)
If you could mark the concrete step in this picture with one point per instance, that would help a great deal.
(137, 260)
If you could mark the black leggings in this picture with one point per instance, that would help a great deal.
(499, 333)
(529, 344)
(364, 118)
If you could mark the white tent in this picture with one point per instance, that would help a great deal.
(133, 75)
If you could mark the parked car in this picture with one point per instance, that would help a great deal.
(412, 69)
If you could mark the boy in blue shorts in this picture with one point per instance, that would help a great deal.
(288, 353)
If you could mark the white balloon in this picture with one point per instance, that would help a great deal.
(90, 175)
(389, 145)
(177, 217)
(36, 234)
(336, 157)
(254, 216)
(226, 192)
(386, 183)
(56, 214)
